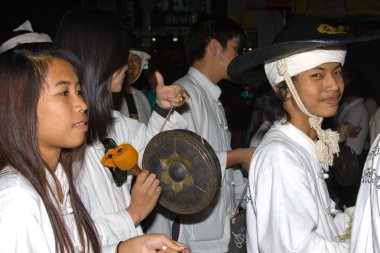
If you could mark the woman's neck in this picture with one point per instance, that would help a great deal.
(51, 158)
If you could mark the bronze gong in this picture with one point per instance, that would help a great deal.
(187, 167)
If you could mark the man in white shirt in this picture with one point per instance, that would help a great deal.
(211, 45)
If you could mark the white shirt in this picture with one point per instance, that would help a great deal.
(289, 208)
(259, 134)
(365, 235)
(24, 223)
(209, 230)
(374, 126)
(355, 113)
(142, 106)
(105, 201)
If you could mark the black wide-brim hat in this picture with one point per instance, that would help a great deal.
(299, 34)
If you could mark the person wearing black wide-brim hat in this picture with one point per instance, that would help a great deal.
(290, 209)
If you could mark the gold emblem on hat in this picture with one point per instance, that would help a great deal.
(328, 29)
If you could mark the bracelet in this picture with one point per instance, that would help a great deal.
(118, 246)
(161, 111)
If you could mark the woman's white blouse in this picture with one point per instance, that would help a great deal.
(24, 222)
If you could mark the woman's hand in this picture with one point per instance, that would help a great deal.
(149, 243)
(144, 196)
(169, 95)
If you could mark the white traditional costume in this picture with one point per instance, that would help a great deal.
(290, 210)
(365, 235)
(209, 230)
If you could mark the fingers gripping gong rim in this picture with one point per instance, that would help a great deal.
(188, 170)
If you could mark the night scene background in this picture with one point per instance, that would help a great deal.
(161, 25)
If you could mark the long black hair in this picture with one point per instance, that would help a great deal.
(271, 103)
(98, 39)
(23, 72)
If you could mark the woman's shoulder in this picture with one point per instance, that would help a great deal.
(121, 119)
(11, 178)
(122, 130)
(16, 191)
(123, 124)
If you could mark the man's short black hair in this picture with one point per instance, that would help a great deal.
(207, 28)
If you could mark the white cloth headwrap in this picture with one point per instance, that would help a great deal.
(301, 62)
(30, 37)
(328, 141)
(145, 57)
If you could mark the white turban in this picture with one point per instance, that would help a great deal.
(30, 37)
(301, 62)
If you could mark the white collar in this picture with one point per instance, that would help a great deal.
(212, 89)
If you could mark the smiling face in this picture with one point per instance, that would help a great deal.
(321, 88)
(62, 122)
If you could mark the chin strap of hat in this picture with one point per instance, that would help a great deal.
(328, 141)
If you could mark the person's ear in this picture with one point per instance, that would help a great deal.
(214, 47)
(287, 94)
(275, 88)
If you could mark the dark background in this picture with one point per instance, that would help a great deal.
(44, 15)
(169, 57)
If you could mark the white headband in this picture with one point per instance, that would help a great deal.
(301, 62)
(30, 37)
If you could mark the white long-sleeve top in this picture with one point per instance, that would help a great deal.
(104, 200)
(289, 208)
(365, 234)
(209, 230)
(356, 114)
(374, 126)
(24, 222)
